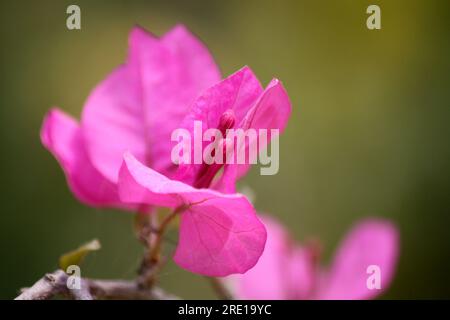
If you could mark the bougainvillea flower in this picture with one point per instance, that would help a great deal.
(166, 83)
(219, 233)
(291, 271)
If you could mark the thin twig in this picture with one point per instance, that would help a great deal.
(151, 262)
(222, 292)
(126, 290)
(156, 249)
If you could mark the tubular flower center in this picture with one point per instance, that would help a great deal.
(226, 121)
(207, 172)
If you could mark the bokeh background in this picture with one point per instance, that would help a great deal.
(369, 133)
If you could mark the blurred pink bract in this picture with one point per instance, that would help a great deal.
(293, 272)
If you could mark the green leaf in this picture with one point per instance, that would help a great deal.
(76, 257)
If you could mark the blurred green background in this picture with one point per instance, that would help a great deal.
(369, 133)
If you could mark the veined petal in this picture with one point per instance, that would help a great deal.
(370, 243)
(219, 234)
(61, 135)
(271, 111)
(137, 106)
(172, 77)
(140, 184)
(238, 92)
(269, 278)
(112, 122)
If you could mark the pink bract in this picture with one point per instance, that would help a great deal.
(291, 271)
(220, 234)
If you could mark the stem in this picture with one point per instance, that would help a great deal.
(156, 249)
(222, 292)
(152, 260)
